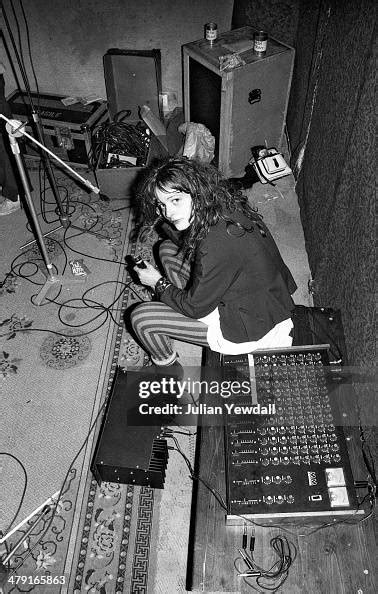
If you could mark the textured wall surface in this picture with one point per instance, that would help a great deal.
(331, 128)
(333, 93)
(278, 17)
(69, 38)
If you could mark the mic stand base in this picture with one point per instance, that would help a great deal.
(56, 281)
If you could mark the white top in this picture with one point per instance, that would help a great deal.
(278, 337)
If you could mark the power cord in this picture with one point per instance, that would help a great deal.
(269, 579)
(55, 506)
(119, 138)
(23, 490)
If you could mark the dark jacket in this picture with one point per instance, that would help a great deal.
(243, 275)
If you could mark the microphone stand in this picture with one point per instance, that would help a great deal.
(15, 130)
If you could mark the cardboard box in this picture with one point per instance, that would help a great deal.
(117, 183)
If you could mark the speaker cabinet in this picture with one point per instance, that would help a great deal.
(133, 78)
(244, 106)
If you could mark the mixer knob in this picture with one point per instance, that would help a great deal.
(320, 429)
(314, 450)
(279, 499)
(335, 447)
(324, 449)
(272, 430)
(277, 479)
(267, 480)
(273, 440)
(264, 451)
(274, 451)
(263, 441)
(301, 429)
(331, 428)
(336, 457)
(323, 439)
(275, 460)
(290, 499)
(303, 439)
(285, 460)
(262, 430)
(265, 461)
(306, 460)
(332, 438)
(294, 450)
(296, 460)
(283, 439)
(316, 459)
(284, 450)
(269, 500)
(287, 479)
(326, 458)
(292, 430)
(312, 439)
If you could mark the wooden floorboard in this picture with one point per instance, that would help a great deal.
(338, 559)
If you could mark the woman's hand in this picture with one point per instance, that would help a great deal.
(148, 276)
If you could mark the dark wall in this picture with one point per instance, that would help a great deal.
(331, 127)
(278, 17)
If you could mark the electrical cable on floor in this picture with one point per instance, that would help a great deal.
(219, 498)
(277, 574)
(104, 310)
(55, 505)
(17, 269)
(23, 490)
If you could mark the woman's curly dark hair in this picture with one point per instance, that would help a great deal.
(212, 196)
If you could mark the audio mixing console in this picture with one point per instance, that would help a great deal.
(293, 464)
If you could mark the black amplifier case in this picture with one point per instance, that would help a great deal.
(67, 129)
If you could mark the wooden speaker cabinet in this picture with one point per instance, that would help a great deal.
(244, 106)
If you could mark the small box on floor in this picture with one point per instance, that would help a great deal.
(67, 128)
(116, 173)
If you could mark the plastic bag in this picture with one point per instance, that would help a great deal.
(199, 142)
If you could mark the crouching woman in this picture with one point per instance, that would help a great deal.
(225, 284)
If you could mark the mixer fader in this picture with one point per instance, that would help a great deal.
(293, 463)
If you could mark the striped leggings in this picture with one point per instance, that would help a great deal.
(156, 323)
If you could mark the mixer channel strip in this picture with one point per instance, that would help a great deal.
(288, 459)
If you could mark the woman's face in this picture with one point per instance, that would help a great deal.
(175, 206)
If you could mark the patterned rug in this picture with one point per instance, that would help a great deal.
(98, 538)
(109, 538)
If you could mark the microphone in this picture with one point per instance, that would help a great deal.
(138, 261)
